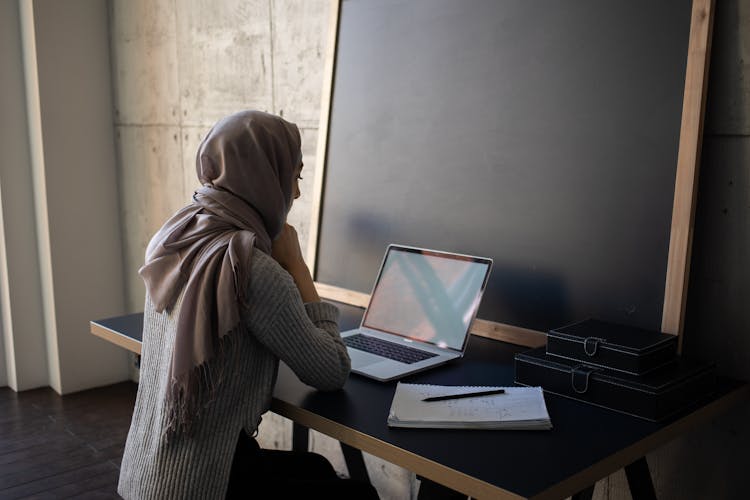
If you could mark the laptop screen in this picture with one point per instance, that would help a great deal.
(427, 295)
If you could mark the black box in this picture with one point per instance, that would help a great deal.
(654, 396)
(618, 347)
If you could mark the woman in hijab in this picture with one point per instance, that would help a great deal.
(228, 295)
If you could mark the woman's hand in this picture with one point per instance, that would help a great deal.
(287, 252)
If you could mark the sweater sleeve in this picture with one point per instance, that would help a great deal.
(305, 336)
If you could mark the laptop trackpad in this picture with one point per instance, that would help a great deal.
(360, 359)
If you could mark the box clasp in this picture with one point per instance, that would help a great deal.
(579, 378)
(590, 344)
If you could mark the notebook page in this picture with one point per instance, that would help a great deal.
(516, 404)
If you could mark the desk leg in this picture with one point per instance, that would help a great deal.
(430, 490)
(300, 437)
(639, 480)
(355, 463)
(586, 494)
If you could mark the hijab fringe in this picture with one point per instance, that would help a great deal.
(195, 391)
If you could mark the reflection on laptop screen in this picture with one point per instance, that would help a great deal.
(426, 296)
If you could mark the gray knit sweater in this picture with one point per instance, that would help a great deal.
(279, 326)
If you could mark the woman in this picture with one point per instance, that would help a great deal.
(228, 295)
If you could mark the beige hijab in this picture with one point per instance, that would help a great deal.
(246, 164)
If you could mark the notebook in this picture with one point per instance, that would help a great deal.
(518, 408)
(420, 311)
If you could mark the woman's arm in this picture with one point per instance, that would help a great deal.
(304, 334)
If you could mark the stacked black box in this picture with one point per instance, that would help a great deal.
(623, 368)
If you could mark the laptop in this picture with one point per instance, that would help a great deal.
(420, 311)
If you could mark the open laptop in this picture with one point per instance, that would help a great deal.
(420, 311)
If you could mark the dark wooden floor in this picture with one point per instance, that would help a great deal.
(63, 447)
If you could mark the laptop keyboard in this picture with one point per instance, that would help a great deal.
(387, 349)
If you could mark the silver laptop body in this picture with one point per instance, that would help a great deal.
(424, 300)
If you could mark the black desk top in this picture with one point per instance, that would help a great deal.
(585, 444)
(527, 463)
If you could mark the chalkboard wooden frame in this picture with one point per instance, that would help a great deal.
(675, 287)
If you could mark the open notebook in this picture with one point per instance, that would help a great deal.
(520, 408)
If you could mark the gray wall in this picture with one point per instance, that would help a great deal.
(60, 245)
(13, 141)
(76, 203)
(20, 286)
(178, 65)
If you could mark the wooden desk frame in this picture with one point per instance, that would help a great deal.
(686, 181)
(116, 337)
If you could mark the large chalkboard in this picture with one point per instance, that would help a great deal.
(543, 134)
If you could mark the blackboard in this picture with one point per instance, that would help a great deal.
(542, 134)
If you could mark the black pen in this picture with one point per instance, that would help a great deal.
(465, 395)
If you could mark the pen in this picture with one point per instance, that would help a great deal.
(465, 395)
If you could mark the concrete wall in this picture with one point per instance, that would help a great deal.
(178, 65)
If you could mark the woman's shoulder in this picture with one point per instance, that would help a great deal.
(264, 263)
(266, 272)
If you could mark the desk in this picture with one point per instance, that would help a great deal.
(586, 444)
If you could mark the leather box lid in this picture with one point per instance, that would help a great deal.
(626, 339)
